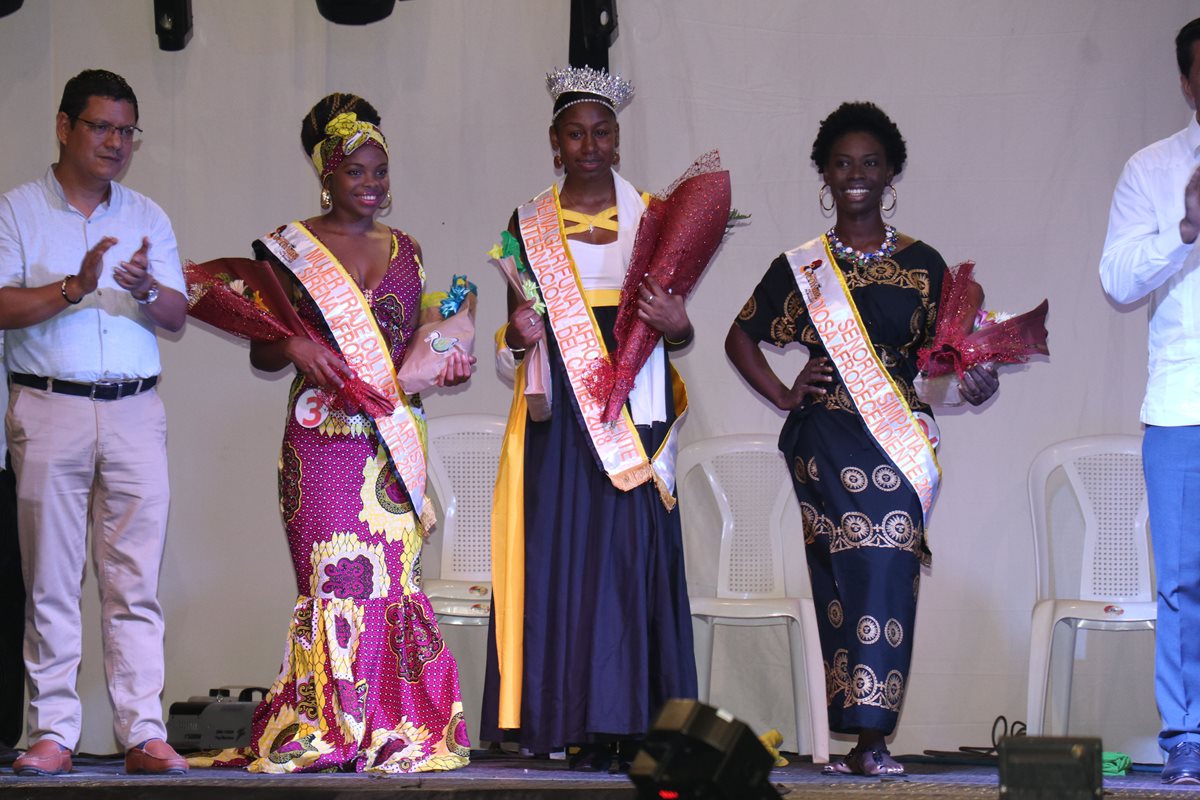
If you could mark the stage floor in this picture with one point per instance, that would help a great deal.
(501, 777)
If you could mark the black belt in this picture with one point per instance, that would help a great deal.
(105, 390)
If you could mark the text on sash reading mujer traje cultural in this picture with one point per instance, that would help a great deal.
(353, 329)
(577, 338)
(882, 410)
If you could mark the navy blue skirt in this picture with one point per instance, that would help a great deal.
(607, 630)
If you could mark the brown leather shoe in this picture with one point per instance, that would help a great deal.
(156, 757)
(46, 757)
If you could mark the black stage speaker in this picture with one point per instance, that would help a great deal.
(593, 30)
(355, 12)
(1050, 768)
(173, 23)
(9, 6)
(697, 752)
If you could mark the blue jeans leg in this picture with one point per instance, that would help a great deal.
(1171, 459)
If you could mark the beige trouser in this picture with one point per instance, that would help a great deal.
(74, 456)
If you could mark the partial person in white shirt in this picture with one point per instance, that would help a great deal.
(89, 269)
(1151, 251)
(12, 604)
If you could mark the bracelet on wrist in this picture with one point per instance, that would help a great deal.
(672, 343)
(62, 289)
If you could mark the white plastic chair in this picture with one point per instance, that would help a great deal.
(1115, 590)
(748, 479)
(464, 454)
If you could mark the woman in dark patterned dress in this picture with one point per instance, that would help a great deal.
(863, 519)
(367, 683)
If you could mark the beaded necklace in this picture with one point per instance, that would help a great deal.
(857, 257)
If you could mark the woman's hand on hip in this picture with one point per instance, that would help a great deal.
(812, 380)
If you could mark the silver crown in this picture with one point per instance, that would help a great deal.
(613, 88)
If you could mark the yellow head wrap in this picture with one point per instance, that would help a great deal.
(345, 133)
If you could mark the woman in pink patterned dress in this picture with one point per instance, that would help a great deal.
(367, 682)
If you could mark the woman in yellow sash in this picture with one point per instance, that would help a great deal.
(857, 483)
(592, 631)
(367, 683)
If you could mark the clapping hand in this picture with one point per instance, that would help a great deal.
(93, 262)
(1189, 226)
(134, 275)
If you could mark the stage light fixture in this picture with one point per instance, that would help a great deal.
(9, 6)
(173, 23)
(1050, 768)
(697, 752)
(355, 12)
(593, 30)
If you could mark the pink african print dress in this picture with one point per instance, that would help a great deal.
(367, 682)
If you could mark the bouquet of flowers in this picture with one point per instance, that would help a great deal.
(538, 395)
(447, 324)
(677, 237)
(244, 297)
(967, 336)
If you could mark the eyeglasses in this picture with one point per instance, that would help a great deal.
(101, 130)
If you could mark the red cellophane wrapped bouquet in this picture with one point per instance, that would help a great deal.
(679, 232)
(967, 336)
(244, 297)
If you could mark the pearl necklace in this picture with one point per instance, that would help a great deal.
(857, 257)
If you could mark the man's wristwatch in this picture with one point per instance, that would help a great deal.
(151, 295)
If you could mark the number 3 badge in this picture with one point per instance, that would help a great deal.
(311, 410)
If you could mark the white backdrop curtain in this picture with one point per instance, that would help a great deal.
(1018, 115)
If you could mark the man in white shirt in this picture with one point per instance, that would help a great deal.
(1151, 250)
(88, 270)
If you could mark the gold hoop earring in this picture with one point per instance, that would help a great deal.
(387, 201)
(895, 199)
(326, 199)
(557, 161)
(821, 198)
